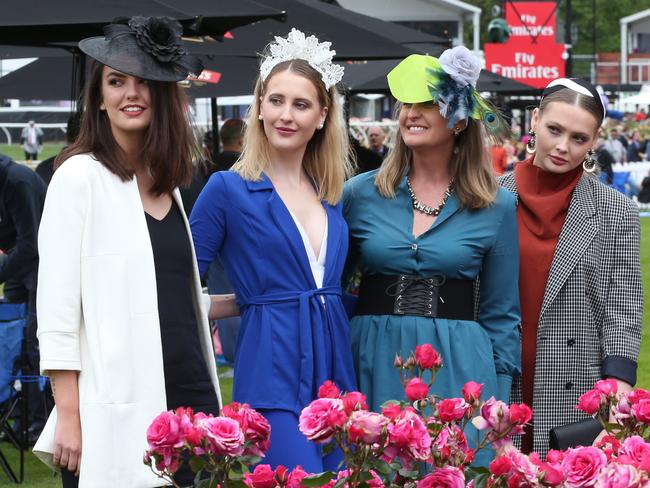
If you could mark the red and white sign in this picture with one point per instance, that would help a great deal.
(531, 55)
(206, 76)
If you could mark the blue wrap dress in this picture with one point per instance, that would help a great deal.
(294, 335)
(461, 244)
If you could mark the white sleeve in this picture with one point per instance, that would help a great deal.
(60, 238)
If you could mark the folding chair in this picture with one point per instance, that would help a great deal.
(12, 324)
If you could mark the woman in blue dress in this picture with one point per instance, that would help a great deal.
(423, 228)
(276, 224)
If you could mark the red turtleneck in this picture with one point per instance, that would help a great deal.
(544, 199)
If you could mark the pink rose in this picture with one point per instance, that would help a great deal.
(472, 391)
(638, 394)
(520, 413)
(590, 402)
(641, 410)
(427, 357)
(354, 400)
(374, 482)
(524, 472)
(321, 419)
(452, 409)
(328, 390)
(447, 477)
(257, 430)
(551, 475)
(623, 408)
(494, 416)
(501, 466)
(262, 477)
(408, 438)
(618, 476)
(607, 387)
(391, 411)
(582, 466)
(224, 435)
(366, 427)
(416, 389)
(165, 431)
(295, 477)
(636, 449)
(451, 448)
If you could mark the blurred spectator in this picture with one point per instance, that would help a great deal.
(46, 168)
(376, 136)
(232, 141)
(31, 139)
(634, 152)
(22, 194)
(641, 115)
(644, 194)
(499, 157)
(605, 162)
(366, 159)
(615, 147)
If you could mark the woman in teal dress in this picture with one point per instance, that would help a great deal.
(423, 228)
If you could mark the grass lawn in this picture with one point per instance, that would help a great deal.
(15, 152)
(39, 476)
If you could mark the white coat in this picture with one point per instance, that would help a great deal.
(98, 314)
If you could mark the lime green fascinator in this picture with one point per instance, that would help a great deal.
(450, 82)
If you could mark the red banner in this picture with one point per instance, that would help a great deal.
(531, 55)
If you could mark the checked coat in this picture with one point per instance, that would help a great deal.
(590, 322)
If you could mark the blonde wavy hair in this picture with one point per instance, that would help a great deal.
(327, 159)
(474, 181)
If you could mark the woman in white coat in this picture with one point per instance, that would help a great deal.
(123, 328)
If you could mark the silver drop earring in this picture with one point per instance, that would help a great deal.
(530, 145)
(590, 163)
(260, 117)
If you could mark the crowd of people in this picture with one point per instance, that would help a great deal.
(529, 284)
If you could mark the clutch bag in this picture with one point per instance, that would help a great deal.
(581, 433)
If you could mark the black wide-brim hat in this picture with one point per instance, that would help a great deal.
(148, 48)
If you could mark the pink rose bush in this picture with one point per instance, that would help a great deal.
(419, 442)
(219, 445)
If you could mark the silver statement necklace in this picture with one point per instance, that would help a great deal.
(425, 209)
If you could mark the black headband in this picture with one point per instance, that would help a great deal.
(579, 86)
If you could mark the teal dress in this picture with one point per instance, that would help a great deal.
(461, 244)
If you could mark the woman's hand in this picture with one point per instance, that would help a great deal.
(67, 441)
(67, 435)
(622, 387)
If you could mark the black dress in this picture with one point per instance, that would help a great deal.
(187, 382)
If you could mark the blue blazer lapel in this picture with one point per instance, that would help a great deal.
(287, 227)
(335, 230)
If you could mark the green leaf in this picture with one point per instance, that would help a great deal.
(235, 484)
(202, 484)
(319, 479)
(481, 480)
(407, 473)
(340, 482)
(236, 467)
(197, 463)
(382, 467)
(235, 476)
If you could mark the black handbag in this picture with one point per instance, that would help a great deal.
(581, 433)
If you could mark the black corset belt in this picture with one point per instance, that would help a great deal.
(426, 296)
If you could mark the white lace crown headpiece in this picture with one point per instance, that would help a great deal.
(297, 46)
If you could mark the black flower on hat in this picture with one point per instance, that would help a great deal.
(159, 36)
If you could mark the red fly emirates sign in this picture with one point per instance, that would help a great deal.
(531, 55)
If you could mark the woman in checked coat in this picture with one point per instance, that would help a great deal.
(580, 277)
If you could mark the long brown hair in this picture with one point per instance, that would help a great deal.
(474, 181)
(169, 145)
(327, 158)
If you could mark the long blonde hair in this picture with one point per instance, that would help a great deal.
(474, 181)
(327, 158)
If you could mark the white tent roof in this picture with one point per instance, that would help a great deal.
(641, 98)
